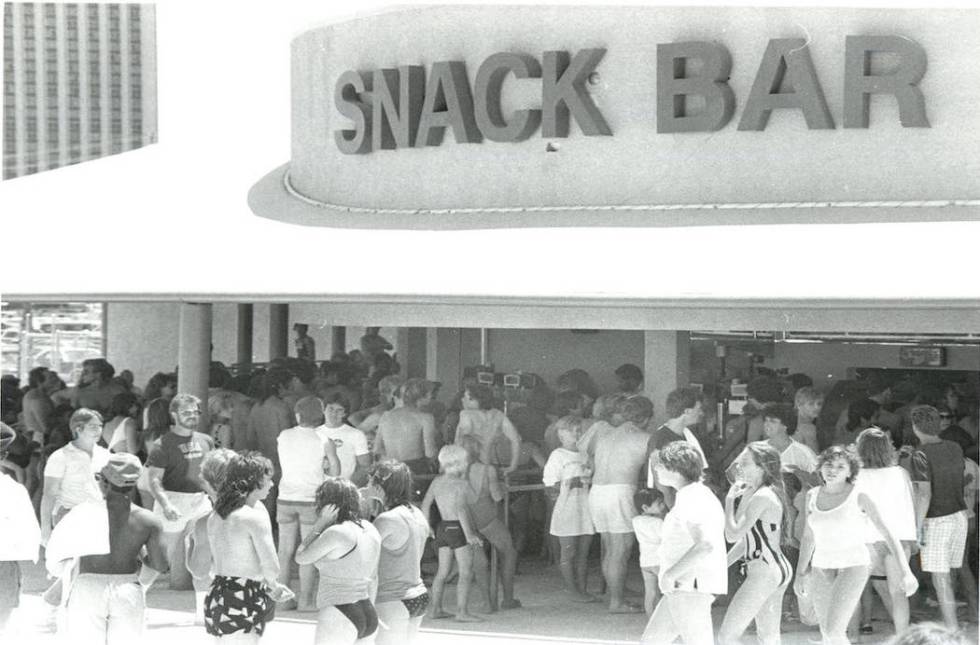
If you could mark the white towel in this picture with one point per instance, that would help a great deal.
(21, 533)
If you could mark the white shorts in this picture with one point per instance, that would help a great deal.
(944, 542)
(106, 608)
(611, 507)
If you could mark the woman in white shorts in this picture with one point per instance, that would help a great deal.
(834, 546)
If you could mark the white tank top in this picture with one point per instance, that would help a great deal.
(838, 533)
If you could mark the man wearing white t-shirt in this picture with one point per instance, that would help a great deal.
(350, 443)
(779, 424)
(684, 408)
(306, 457)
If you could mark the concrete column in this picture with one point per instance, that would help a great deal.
(244, 344)
(278, 331)
(666, 366)
(413, 354)
(432, 354)
(338, 340)
(194, 354)
(446, 361)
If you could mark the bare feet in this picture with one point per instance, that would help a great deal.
(513, 603)
(306, 608)
(469, 618)
(438, 615)
(288, 605)
(583, 597)
(625, 608)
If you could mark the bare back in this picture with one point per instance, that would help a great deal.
(620, 454)
(130, 529)
(449, 494)
(400, 432)
(233, 548)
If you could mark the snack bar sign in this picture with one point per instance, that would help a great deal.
(412, 106)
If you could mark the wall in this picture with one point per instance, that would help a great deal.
(550, 352)
(142, 337)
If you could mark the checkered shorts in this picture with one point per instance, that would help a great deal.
(944, 542)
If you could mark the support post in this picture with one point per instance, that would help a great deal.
(278, 331)
(194, 354)
(245, 328)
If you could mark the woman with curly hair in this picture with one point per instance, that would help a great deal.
(402, 596)
(345, 550)
(244, 558)
(756, 521)
(833, 544)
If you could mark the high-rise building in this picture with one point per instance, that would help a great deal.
(79, 82)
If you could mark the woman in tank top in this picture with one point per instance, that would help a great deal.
(402, 596)
(756, 527)
(345, 550)
(833, 545)
(889, 486)
(120, 433)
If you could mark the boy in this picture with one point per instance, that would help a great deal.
(648, 526)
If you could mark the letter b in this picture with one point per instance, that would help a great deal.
(674, 86)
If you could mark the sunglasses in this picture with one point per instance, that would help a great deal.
(945, 416)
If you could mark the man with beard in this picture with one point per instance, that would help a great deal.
(175, 480)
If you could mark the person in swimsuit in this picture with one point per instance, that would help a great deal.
(755, 520)
(402, 596)
(245, 564)
(455, 533)
(491, 426)
(833, 546)
(485, 494)
(120, 433)
(345, 550)
(196, 547)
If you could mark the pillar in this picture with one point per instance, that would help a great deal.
(278, 331)
(412, 351)
(245, 323)
(666, 366)
(194, 354)
(338, 340)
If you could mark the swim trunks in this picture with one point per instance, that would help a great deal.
(416, 606)
(611, 507)
(449, 533)
(362, 615)
(236, 605)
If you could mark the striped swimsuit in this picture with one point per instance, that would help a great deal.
(762, 543)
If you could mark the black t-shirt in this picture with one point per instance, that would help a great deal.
(940, 464)
(180, 458)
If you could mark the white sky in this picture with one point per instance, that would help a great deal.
(173, 218)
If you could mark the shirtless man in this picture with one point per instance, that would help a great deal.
(620, 455)
(175, 480)
(107, 603)
(684, 407)
(245, 563)
(367, 420)
(406, 433)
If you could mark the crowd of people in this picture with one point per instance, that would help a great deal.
(342, 472)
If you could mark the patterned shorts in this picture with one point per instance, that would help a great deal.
(944, 542)
(236, 605)
(416, 606)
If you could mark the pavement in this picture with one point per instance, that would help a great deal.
(548, 616)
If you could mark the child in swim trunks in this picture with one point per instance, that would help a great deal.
(454, 533)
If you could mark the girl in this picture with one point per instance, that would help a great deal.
(121, 433)
(889, 486)
(834, 543)
(485, 494)
(571, 522)
(345, 550)
(402, 596)
(757, 527)
(455, 533)
(244, 558)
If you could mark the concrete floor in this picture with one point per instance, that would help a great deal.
(546, 617)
